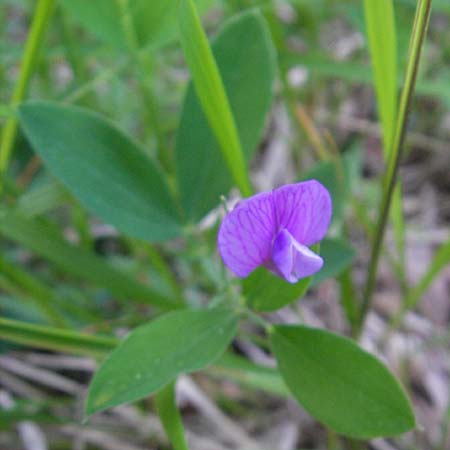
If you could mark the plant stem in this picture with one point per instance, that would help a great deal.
(396, 152)
(170, 416)
(39, 25)
(39, 336)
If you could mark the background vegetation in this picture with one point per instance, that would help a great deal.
(71, 284)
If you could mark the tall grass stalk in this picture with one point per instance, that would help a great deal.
(380, 15)
(39, 25)
(396, 152)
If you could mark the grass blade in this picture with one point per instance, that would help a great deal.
(380, 24)
(211, 92)
(395, 155)
(382, 38)
(39, 25)
(39, 336)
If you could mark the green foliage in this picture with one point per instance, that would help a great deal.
(41, 237)
(107, 55)
(331, 176)
(154, 354)
(337, 255)
(246, 61)
(54, 338)
(154, 23)
(119, 183)
(267, 292)
(211, 92)
(341, 385)
(383, 49)
(170, 416)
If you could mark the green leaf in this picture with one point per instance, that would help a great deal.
(104, 168)
(265, 291)
(230, 366)
(332, 178)
(341, 385)
(379, 17)
(382, 38)
(154, 354)
(246, 60)
(211, 92)
(170, 416)
(42, 239)
(337, 255)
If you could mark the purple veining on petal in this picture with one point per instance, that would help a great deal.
(304, 209)
(274, 229)
(246, 234)
(292, 260)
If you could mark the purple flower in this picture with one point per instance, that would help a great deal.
(274, 229)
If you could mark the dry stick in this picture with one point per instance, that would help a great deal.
(417, 39)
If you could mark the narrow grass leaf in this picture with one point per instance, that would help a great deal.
(38, 336)
(381, 33)
(341, 385)
(103, 167)
(245, 56)
(154, 354)
(382, 39)
(211, 92)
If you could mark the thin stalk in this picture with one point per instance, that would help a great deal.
(39, 336)
(39, 25)
(169, 414)
(396, 152)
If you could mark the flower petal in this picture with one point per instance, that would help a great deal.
(292, 260)
(304, 209)
(246, 234)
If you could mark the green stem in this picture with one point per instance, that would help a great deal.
(39, 25)
(170, 416)
(39, 336)
(396, 152)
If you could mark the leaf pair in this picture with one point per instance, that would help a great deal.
(341, 385)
